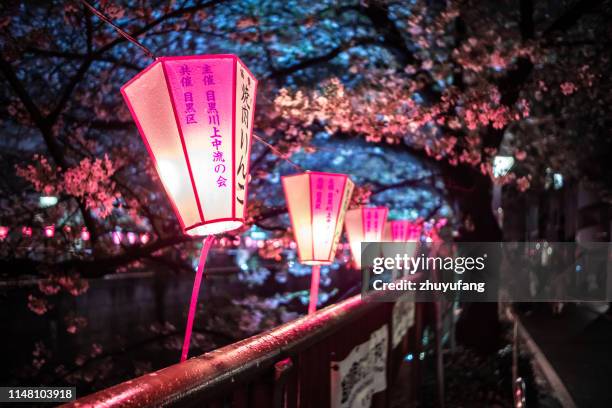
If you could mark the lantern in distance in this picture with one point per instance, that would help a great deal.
(195, 116)
(402, 231)
(4, 230)
(364, 224)
(317, 205)
(26, 231)
(49, 231)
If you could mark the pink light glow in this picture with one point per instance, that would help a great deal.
(3, 232)
(402, 231)
(365, 224)
(85, 234)
(144, 238)
(131, 237)
(317, 205)
(117, 237)
(49, 231)
(26, 231)
(195, 115)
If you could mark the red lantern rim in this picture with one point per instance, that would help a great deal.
(215, 226)
(314, 262)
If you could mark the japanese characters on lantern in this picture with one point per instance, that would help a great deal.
(317, 205)
(195, 115)
(364, 224)
(402, 231)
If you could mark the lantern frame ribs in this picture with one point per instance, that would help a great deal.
(206, 208)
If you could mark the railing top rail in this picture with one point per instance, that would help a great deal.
(203, 374)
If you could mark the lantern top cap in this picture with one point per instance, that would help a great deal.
(321, 173)
(159, 60)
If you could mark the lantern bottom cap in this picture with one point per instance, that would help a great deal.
(214, 227)
(314, 263)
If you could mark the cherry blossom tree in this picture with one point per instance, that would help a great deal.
(448, 85)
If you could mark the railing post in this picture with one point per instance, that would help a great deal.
(282, 371)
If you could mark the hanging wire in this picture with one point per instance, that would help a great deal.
(125, 35)
(278, 152)
(150, 54)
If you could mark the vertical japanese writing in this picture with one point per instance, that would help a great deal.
(245, 117)
(216, 139)
(187, 85)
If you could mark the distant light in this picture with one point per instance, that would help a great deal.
(26, 231)
(258, 235)
(85, 234)
(49, 231)
(144, 238)
(502, 165)
(557, 181)
(131, 237)
(3, 232)
(578, 268)
(409, 357)
(117, 237)
(422, 355)
(47, 201)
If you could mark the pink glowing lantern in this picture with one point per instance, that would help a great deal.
(364, 224)
(85, 234)
(144, 238)
(117, 237)
(402, 231)
(195, 116)
(317, 205)
(49, 231)
(3, 232)
(26, 232)
(131, 237)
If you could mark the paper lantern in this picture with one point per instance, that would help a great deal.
(26, 231)
(195, 116)
(144, 238)
(317, 204)
(117, 237)
(365, 224)
(402, 231)
(3, 232)
(49, 231)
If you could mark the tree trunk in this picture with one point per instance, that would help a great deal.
(478, 327)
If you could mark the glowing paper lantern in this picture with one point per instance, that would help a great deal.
(3, 232)
(317, 205)
(49, 231)
(365, 224)
(195, 116)
(117, 237)
(131, 237)
(85, 234)
(402, 231)
(144, 238)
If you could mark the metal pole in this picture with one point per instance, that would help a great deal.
(194, 295)
(314, 289)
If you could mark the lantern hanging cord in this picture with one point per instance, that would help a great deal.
(278, 152)
(121, 32)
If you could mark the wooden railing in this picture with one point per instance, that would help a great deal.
(289, 366)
